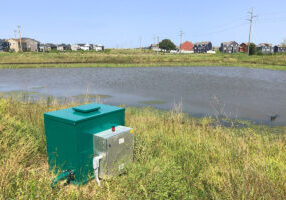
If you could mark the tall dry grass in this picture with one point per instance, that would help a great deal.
(175, 157)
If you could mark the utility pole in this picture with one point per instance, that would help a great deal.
(250, 28)
(181, 38)
(20, 39)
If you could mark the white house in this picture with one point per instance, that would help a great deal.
(75, 47)
(98, 47)
(85, 47)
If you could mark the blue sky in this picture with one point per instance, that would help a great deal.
(122, 23)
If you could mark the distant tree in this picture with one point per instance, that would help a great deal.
(252, 49)
(167, 45)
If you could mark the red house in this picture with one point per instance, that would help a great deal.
(243, 47)
(187, 46)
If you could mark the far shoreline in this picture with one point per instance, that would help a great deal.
(138, 58)
(110, 65)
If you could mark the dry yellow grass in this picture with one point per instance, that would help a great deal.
(176, 157)
(135, 58)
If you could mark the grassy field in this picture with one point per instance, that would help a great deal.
(135, 58)
(176, 157)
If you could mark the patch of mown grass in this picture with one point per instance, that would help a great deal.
(138, 58)
(175, 157)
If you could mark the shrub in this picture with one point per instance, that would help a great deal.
(167, 45)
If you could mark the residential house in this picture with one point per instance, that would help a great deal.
(47, 47)
(42, 48)
(63, 47)
(187, 47)
(155, 47)
(31, 44)
(51, 46)
(265, 48)
(229, 47)
(279, 49)
(4, 45)
(243, 47)
(98, 47)
(202, 47)
(75, 47)
(84, 47)
(15, 45)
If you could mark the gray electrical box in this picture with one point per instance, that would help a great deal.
(116, 146)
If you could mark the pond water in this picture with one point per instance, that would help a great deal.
(234, 92)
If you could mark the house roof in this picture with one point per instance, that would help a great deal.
(202, 43)
(280, 46)
(229, 43)
(27, 39)
(64, 45)
(187, 42)
(265, 45)
(50, 44)
(13, 39)
(187, 46)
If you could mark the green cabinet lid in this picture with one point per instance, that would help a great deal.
(87, 108)
(81, 113)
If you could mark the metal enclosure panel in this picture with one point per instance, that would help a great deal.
(118, 150)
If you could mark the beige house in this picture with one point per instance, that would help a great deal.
(14, 44)
(28, 44)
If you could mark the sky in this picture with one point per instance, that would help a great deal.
(129, 23)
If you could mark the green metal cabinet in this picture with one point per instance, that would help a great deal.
(70, 132)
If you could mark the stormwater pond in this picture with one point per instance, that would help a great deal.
(232, 92)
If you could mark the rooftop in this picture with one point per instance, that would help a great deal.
(202, 43)
(229, 43)
(265, 45)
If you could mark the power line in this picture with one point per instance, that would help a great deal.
(272, 19)
(223, 26)
(274, 12)
(223, 30)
